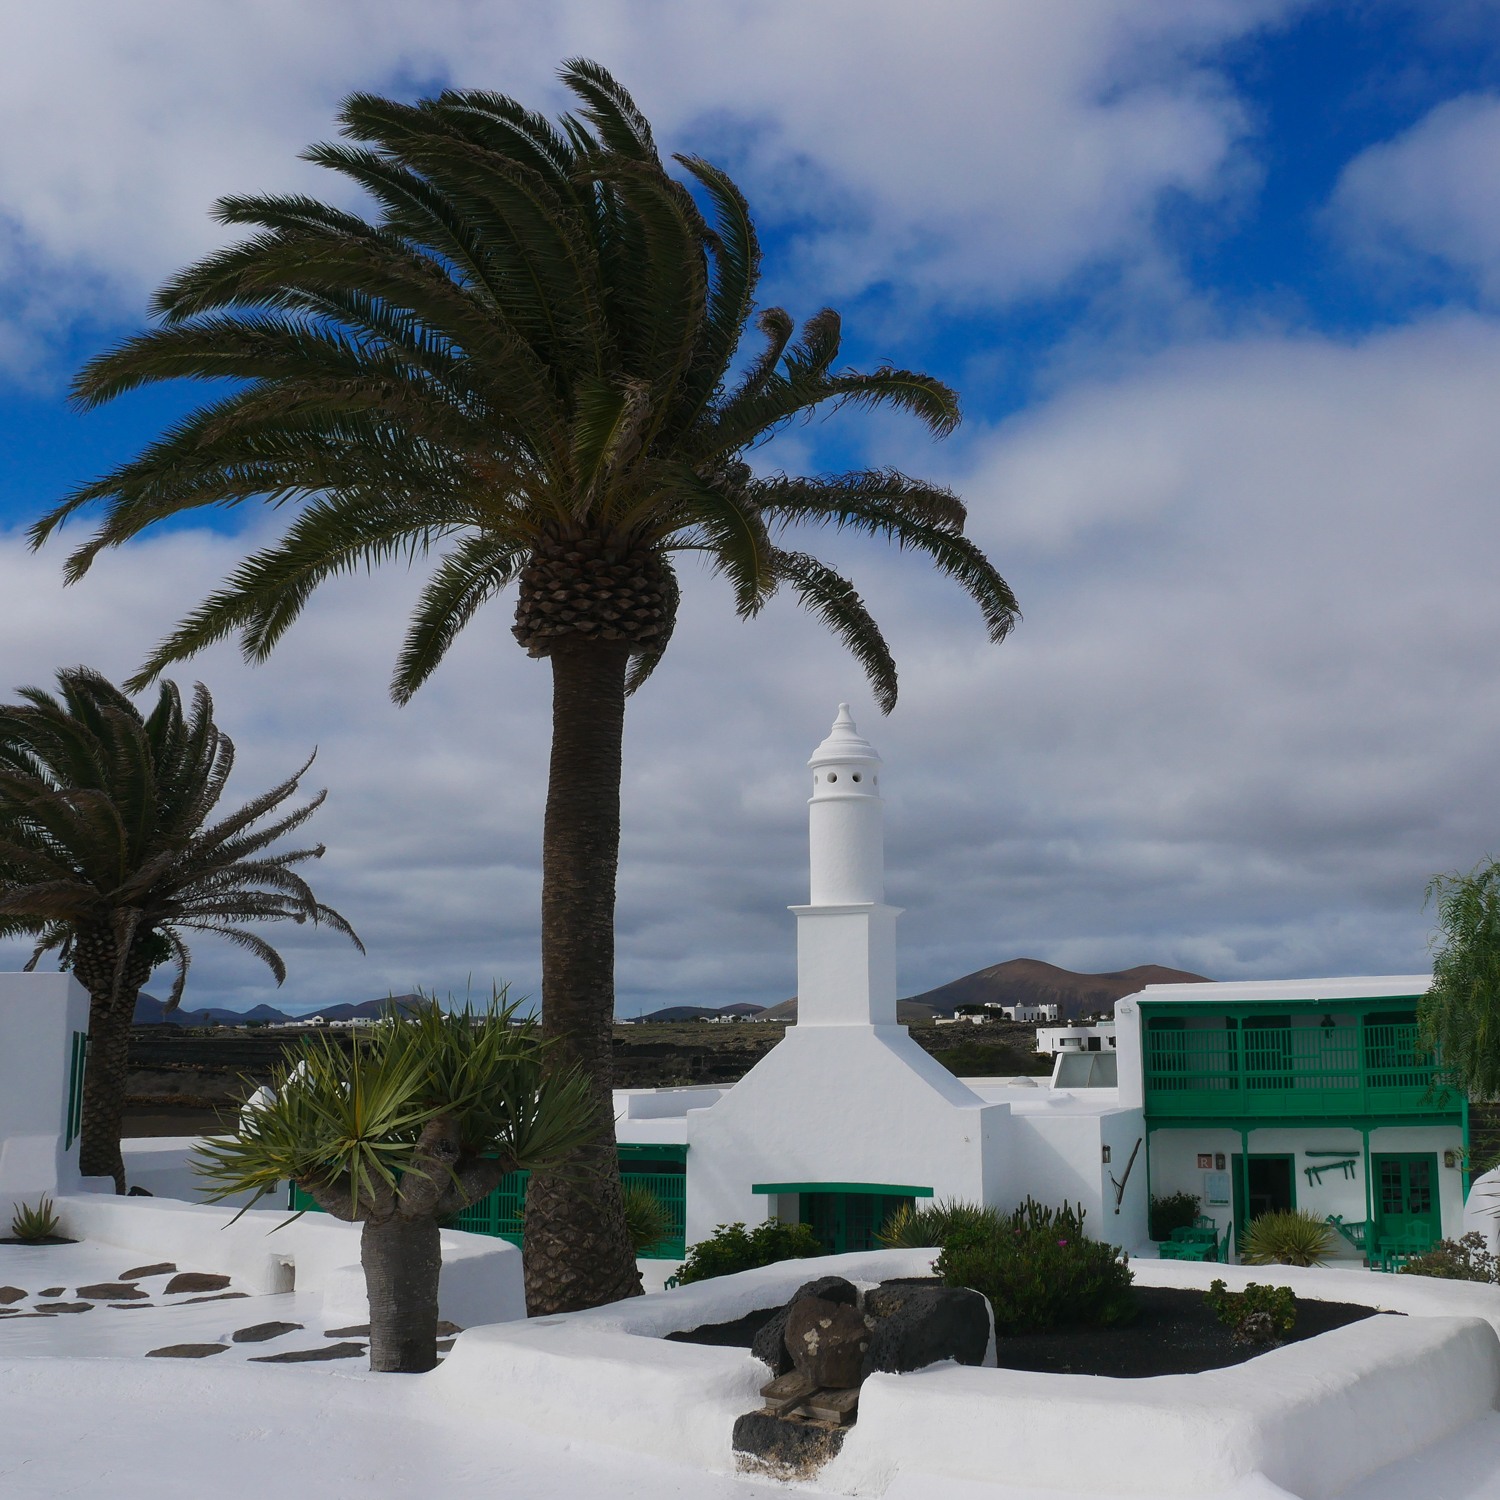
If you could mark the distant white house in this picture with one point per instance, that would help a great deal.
(1099, 1037)
(989, 1011)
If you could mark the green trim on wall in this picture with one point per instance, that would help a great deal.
(886, 1189)
(637, 1151)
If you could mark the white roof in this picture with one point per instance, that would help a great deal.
(1360, 987)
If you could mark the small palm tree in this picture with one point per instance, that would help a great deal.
(400, 1132)
(108, 857)
(527, 357)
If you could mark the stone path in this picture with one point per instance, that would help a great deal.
(188, 1314)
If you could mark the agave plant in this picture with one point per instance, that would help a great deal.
(400, 1132)
(34, 1223)
(646, 1218)
(1287, 1237)
(910, 1228)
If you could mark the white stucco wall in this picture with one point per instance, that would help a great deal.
(267, 1250)
(38, 1015)
(842, 1104)
(1058, 1157)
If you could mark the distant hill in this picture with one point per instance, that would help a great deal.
(700, 1012)
(149, 1011)
(1029, 981)
(1020, 981)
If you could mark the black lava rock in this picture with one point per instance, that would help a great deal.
(786, 1450)
(769, 1344)
(917, 1325)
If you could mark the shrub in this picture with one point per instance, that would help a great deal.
(1260, 1315)
(1287, 1237)
(1172, 1211)
(915, 1228)
(731, 1248)
(648, 1221)
(1464, 1259)
(33, 1225)
(1039, 1269)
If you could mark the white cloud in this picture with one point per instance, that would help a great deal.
(1429, 201)
(1250, 710)
(976, 150)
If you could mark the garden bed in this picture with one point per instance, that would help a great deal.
(1174, 1333)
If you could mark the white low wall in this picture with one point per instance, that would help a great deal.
(638, 1391)
(162, 1165)
(481, 1280)
(1313, 1417)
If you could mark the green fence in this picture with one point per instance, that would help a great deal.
(1373, 1069)
(502, 1213)
(76, 1064)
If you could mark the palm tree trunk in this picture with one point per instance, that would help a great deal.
(577, 1248)
(112, 995)
(402, 1260)
(104, 1091)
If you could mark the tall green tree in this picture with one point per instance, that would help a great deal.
(1460, 1014)
(525, 357)
(109, 858)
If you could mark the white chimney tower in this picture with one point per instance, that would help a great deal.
(846, 934)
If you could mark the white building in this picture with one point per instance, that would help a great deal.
(1309, 1093)
(43, 1036)
(1100, 1037)
(847, 1117)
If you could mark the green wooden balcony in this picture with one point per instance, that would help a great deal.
(1285, 1072)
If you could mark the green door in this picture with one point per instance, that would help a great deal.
(1405, 1194)
(1262, 1184)
(849, 1221)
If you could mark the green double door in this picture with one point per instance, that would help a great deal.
(1405, 1190)
(849, 1221)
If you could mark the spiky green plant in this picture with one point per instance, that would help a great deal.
(911, 1228)
(1459, 1016)
(33, 1223)
(1288, 1237)
(415, 1121)
(646, 1217)
(526, 363)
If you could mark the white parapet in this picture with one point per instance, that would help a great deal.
(43, 1018)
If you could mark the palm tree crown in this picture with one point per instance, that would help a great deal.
(524, 358)
(107, 854)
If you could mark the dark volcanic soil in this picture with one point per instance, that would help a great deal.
(1174, 1333)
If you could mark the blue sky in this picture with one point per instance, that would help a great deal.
(1217, 281)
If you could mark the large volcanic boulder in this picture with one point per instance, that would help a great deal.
(770, 1343)
(828, 1342)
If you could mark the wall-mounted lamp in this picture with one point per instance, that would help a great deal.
(1453, 1158)
(1104, 1154)
(1326, 1023)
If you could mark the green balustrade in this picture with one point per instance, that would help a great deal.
(1266, 1072)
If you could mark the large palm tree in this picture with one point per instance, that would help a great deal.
(526, 356)
(108, 857)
